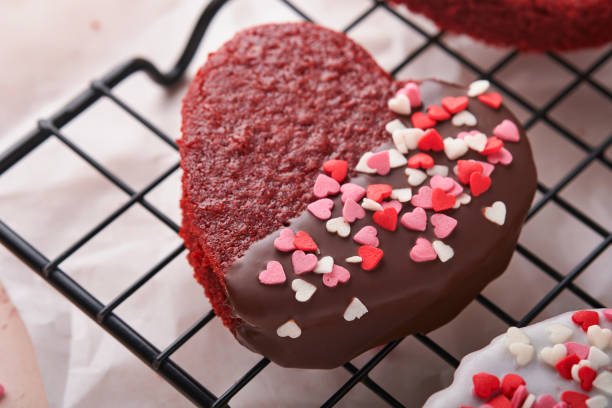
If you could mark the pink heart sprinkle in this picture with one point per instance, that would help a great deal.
(457, 189)
(352, 211)
(284, 242)
(519, 396)
(273, 275)
(503, 156)
(607, 314)
(445, 183)
(422, 251)
(338, 274)
(321, 208)
(396, 205)
(544, 401)
(578, 349)
(303, 263)
(423, 198)
(487, 168)
(415, 220)
(462, 135)
(443, 225)
(325, 185)
(367, 236)
(561, 404)
(380, 162)
(507, 130)
(352, 191)
(412, 92)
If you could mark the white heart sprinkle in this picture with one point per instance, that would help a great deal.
(516, 335)
(362, 165)
(438, 170)
(597, 358)
(523, 353)
(462, 199)
(603, 382)
(338, 226)
(476, 142)
(399, 104)
(529, 401)
(396, 159)
(354, 259)
(354, 310)
(411, 137)
(464, 117)
(303, 290)
(393, 125)
(324, 265)
(445, 252)
(478, 87)
(289, 329)
(454, 148)
(415, 176)
(577, 367)
(399, 141)
(552, 355)
(496, 213)
(599, 337)
(559, 333)
(371, 205)
(598, 401)
(401, 194)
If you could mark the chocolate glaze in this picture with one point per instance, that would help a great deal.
(402, 296)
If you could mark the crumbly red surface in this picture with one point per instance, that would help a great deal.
(525, 24)
(254, 136)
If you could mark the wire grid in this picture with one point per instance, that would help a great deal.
(160, 360)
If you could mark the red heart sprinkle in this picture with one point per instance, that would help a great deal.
(465, 168)
(455, 104)
(564, 366)
(485, 385)
(304, 242)
(387, 218)
(479, 183)
(442, 201)
(431, 140)
(586, 375)
(370, 256)
(378, 192)
(498, 402)
(435, 112)
(337, 169)
(510, 383)
(575, 399)
(585, 318)
(492, 99)
(494, 145)
(422, 160)
(422, 121)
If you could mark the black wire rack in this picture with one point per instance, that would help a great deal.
(161, 360)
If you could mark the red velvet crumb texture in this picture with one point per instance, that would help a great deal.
(259, 119)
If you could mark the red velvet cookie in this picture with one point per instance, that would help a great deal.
(319, 219)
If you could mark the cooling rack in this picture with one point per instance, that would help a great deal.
(161, 360)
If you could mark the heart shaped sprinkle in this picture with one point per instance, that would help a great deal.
(415, 177)
(352, 191)
(465, 168)
(521, 397)
(422, 160)
(408, 137)
(371, 205)
(496, 213)
(487, 168)
(394, 125)
(516, 335)
(370, 256)
(325, 185)
(274, 274)
(523, 353)
(485, 385)
(578, 349)
(478, 87)
(415, 220)
(507, 131)
(380, 162)
(303, 290)
(492, 99)
(564, 366)
(338, 274)
(503, 156)
(455, 104)
(494, 145)
(544, 401)
(289, 329)
(454, 148)
(362, 165)
(510, 384)
(396, 159)
(423, 198)
(479, 183)
(585, 318)
(576, 368)
(574, 399)
(607, 314)
(324, 265)
(354, 259)
(402, 195)
(443, 225)
(412, 91)
(599, 337)
(303, 263)
(355, 310)
(422, 251)
(321, 208)
(399, 104)
(552, 355)
(284, 242)
(378, 192)
(337, 169)
(352, 211)
(386, 219)
(396, 205)
(431, 140)
(304, 242)
(587, 376)
(444, 252)
(420, 120)
(367, 236)
(603, 382)
(476, 141)
(437, 113)
(462, 199)
(598, 401)
(440, 200)
(446, 184)
(597, 358)
(457, 190)
(438, 170)
(338, 226)
(464, 118)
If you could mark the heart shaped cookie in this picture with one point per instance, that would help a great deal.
(285, 115)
